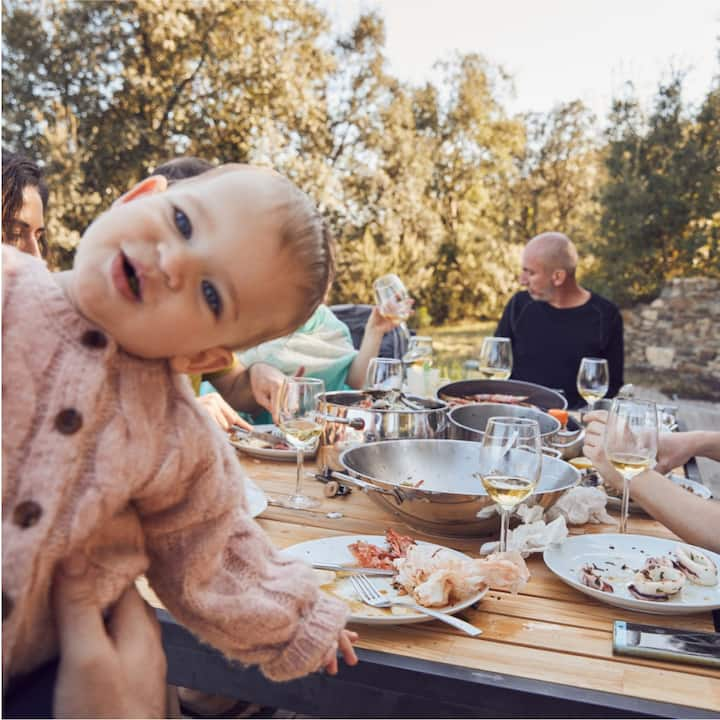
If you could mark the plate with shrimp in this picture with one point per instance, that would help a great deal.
(639, 572)
(381, 552)
(263, 448)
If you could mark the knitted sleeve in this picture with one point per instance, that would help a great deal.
(216, 571)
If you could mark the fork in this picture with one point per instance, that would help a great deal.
(370, 596)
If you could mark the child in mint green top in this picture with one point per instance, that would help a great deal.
(322, 348)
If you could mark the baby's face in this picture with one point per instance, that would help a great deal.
(198, 266)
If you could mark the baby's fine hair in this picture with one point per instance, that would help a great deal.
(182, 168)
(306, 237)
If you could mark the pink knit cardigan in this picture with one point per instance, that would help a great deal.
(111, 453)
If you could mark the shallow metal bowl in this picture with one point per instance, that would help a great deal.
(468, 422)
(450, 497)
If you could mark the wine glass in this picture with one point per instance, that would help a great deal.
(593, 379)
(511, 464)
(384, 379)
(301, 421)
(631, 440)
(496, 359)
(393, 300)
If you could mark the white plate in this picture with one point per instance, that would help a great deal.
(257, 500)
(566, 559)
(270, 453)
(697, 489)
(335, 550)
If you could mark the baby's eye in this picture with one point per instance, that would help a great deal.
(212, 298)
(182, 223)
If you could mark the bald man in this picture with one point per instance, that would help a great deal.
(555, 323)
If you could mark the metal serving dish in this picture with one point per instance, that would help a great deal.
(348, 425)
(542, 397)
(448, 500)
(468, 422)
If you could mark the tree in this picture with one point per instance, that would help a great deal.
(661, 200)
(560, 170)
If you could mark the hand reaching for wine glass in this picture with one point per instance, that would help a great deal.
(630, 443)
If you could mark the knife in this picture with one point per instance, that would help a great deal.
(353, 569)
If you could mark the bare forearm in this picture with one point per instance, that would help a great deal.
(236, 390)
(705, 444)
(369, 348)
(692, 518)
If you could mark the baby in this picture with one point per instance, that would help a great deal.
(105, 449)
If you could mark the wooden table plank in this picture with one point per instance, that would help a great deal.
(670, 684)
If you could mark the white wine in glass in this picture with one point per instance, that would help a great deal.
(593, 380)
(301, 432)
(300, 419)
(631, 441)
(511, 463)
(496, 359)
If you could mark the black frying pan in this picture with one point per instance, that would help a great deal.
(543, 397)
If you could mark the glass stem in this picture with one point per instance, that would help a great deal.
(504, 516)
(404, 329)
(298, 481)
(625, 507)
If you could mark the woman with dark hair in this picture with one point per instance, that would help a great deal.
(24, 201)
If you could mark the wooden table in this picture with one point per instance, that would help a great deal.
(544, 652)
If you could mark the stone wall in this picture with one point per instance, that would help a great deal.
(679, 332)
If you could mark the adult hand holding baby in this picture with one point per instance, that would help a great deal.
(118, 671)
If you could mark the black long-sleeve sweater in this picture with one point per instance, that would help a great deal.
(548, 343)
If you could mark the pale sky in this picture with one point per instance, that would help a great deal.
(556, 50)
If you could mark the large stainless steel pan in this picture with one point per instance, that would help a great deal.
(468, 422)
(348, 425)
(451, 496)
(543, 397)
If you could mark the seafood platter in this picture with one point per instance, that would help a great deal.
(639, 572)
(413, 572)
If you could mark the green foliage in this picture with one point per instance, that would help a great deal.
(661, 203)
(436, 183)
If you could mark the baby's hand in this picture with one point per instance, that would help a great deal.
(346, 638)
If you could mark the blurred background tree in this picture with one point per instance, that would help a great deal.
(437, 183)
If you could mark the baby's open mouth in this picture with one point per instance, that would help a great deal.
(132, 278)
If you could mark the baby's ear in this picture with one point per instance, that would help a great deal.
(206, 361)
(148, 186)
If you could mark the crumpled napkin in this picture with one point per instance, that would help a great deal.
(541, 529)
(582, 505)
(531, 537)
